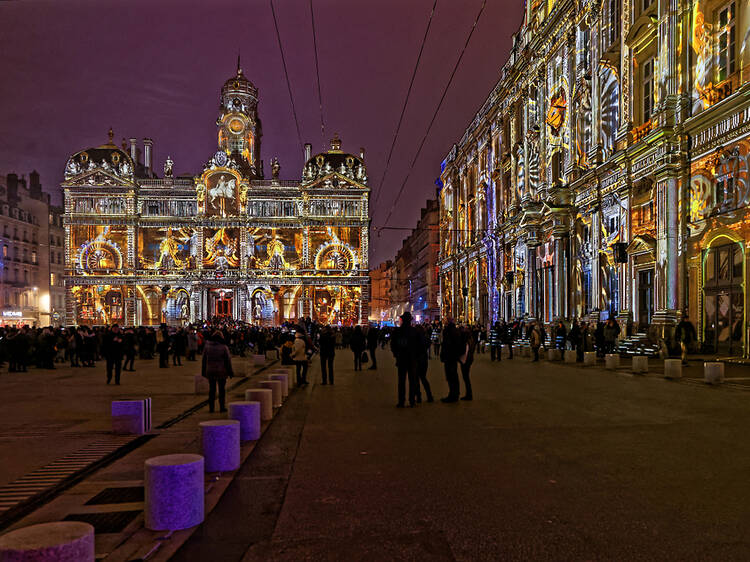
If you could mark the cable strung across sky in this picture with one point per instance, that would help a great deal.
(435, 114)
(403, 109)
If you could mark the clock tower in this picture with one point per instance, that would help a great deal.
(239, 126)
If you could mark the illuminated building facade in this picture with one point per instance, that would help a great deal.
(607, 173)
(142, 250)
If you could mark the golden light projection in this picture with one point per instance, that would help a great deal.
(557, 109)
(221, 249)
(223, 243)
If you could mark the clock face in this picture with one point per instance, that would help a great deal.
(236, 125)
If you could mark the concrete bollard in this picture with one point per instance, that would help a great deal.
(265, 397)
(259, 359)
(673, 368)
(713, 372)
(131, 416)
(589, 358)
(248, 414)
(275, 387)
(220, 445)
(173, 492)
(284, 380)
(201, 384)
(611, 361)
(553, 354)
(63, 541)
(570, 356)
(640, 364)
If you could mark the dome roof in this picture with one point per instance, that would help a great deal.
(239, 84)
(108, 157)
(335, 160)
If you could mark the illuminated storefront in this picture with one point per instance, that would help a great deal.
(607, 173)
(142, 250)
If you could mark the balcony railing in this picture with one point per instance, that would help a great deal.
(715, 93)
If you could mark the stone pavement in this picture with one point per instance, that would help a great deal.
(549, 462)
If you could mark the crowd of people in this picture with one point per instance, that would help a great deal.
(294, 344)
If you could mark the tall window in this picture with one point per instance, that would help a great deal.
(614, 20)
(648, 89)
(726, 43)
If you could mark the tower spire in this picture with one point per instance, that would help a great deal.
(239, 69)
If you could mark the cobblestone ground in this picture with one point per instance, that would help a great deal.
(549, 462)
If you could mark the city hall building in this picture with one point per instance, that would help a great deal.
(228, 243)
(608, 173)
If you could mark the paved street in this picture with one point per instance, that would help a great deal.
(548, 462)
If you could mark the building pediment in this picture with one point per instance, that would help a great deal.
(97, 177)
(642, 244)
(334, 180)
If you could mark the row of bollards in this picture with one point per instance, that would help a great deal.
(174, 485)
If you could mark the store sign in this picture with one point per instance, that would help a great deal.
(12, 314)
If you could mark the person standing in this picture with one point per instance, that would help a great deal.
(113, 348)
(423, 337)
(373, 333)
(357, 345)
(469, 345)
(496, 344)
(535, 339)
(449, 354)
(404, 347)
(217, 367)
(192, 344)
(327, 346)
(685, 334)
(508, 333)
(299, 356)
(129, 345)
(611, 331)
(179, 345)
(162, 346)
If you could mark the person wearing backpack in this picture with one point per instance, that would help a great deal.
(357, 345)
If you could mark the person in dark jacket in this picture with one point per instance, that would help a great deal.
(685, 335)
(129, 344)
(217, 367)
(179, 346)
(372, 344)
(357, 345)
(575, 337)
(449, 354)
(162, 346)
(404, 345)
(113, 348)
(423, 358)
(469, 345)
(496, 342)
(327, 349)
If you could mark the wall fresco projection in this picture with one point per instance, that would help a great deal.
(99, 304)
(221, 248)
(335, 249)
(167, 248)
(99, 249)
(276, 249)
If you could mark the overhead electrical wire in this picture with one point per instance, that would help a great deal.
(403, 109)
(434, 116)
(286, 74)
(317, 74)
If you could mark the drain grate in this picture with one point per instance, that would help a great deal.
(118, 495)
(112, 522)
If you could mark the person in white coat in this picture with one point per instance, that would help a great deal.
(299, 356)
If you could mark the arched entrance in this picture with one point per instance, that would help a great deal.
(723, 297)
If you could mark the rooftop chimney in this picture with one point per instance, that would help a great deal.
(308, 151)
(12, 181)
(133, 152)
(35, 187)
(147, 146)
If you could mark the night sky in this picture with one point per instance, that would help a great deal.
(71, 69)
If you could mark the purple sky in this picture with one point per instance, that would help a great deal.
(71, 69)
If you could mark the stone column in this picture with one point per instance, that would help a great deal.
(596, 275)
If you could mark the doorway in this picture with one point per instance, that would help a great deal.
(724, 300)
(222, 303)
(645, 298)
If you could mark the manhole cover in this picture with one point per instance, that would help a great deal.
(118, 495)
(112, 522)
